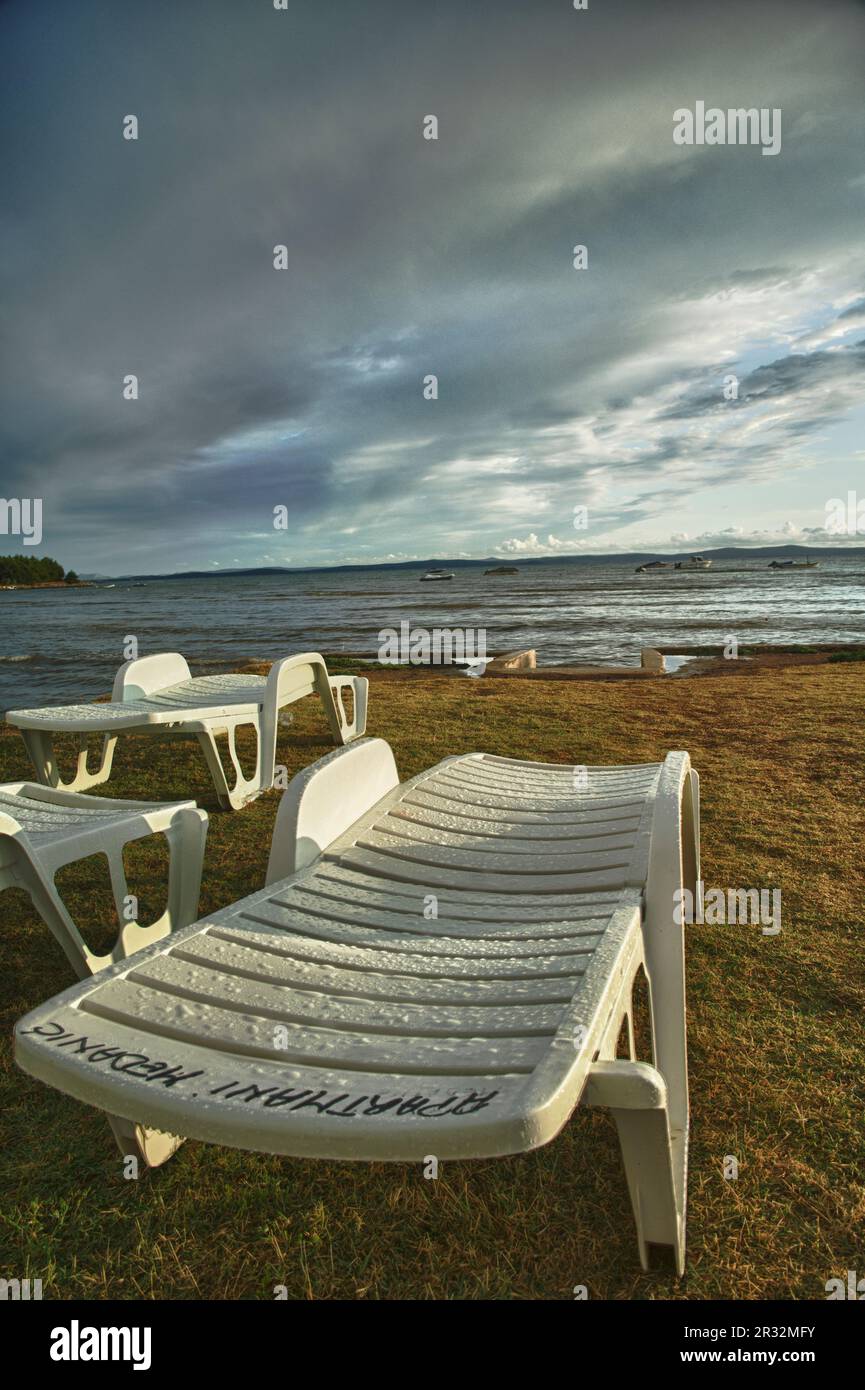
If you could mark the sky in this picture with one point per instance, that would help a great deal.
(577, 410)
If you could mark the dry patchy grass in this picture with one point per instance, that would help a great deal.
(775, 1024)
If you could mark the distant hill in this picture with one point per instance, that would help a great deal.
(634, 557)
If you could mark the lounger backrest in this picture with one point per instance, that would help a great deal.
(149, 673)
(323, 800)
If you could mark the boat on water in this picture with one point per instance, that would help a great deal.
(794, 564)
(436, 574)
(503, 569)
(694, 562)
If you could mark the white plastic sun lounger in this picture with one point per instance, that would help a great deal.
(436, 968)
(157, 695)
(42, 829)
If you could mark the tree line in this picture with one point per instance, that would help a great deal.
(28, 569)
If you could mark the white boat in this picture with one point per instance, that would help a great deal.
(436, 574)
(694, 562)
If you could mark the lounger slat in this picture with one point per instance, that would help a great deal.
(426, 798)
(464, 851)
(431, 817)
(547, 867)
(521, 775)
(567, 791)
(416, 934)
(480, 798)
(130, 714)
(311, 907)
(496, 759)
(164, 1014)
(331, 877)
(40, 817)
(243, 951)
(504, 842)
(474, 801)
(282, 1003)
(431, 876)
(564, 789)
(540, 964)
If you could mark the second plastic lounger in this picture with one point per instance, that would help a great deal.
(441, 967)
(157, 695)
(43, 829)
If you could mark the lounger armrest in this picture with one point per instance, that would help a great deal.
(306, 674)
(324, 800)
(674, 865)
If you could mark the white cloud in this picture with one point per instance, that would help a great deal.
(531, 545)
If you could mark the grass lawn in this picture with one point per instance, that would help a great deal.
(776, 1036)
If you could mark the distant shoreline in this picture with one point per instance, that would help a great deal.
(50, 584)
(752, 553)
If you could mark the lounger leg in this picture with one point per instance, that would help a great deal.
(654, 1155)
(49, 905)
(207, 743)
(103, 771)
(644, 1136)
(632, 1042)
(244, 789)
(83, 779)
(334, 714)
(186, 835)
(186, 839)
(345, 729)
(152, 1147)
(40, 746)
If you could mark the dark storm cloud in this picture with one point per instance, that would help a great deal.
(406, 258)
(788, 377)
